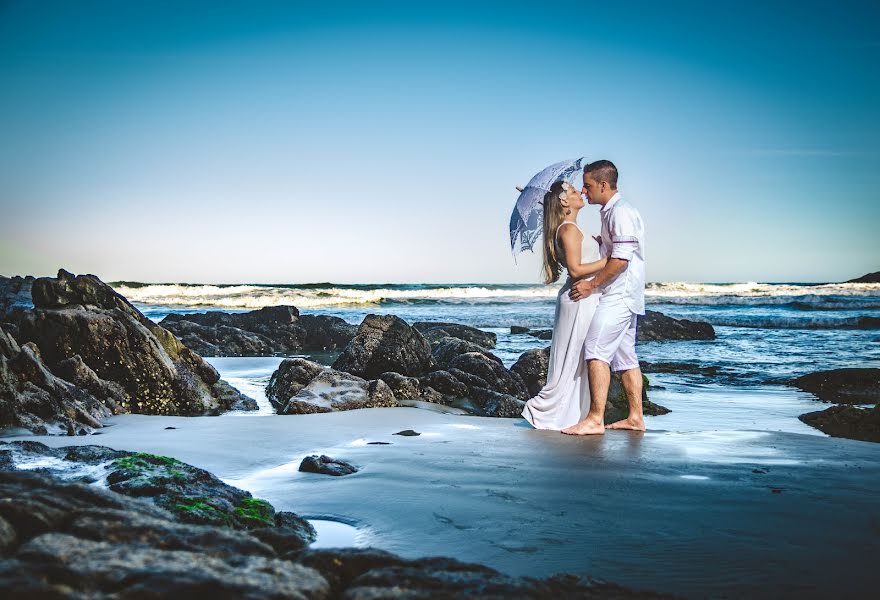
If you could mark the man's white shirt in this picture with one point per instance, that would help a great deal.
(624, 233)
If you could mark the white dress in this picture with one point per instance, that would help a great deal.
(565, 399)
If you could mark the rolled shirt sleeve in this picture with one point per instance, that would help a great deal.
(624, 238)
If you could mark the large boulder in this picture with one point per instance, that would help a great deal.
(385, 343)
(532, 367)
(153, 372)
(494, 374)
(15, 292)
(33, 398)
(268, 331)
(843, 386)
(654, 326)
(846, 421)
(446, 348)
(301, 387)
(436, 330)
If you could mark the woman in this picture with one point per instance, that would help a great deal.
(565, 399)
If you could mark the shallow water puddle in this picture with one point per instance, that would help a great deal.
(333, 534)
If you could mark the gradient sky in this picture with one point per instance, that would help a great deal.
(381, 141)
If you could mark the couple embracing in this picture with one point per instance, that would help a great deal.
(594, 329)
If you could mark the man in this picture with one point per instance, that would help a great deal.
(611, 338)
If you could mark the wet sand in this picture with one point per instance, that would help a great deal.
(673, 511)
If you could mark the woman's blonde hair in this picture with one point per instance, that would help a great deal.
(554, 214)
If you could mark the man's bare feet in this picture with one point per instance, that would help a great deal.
(628, 423)
(585, 427)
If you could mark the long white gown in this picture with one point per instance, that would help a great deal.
(565, 399)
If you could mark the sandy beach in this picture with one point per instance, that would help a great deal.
(711, 513)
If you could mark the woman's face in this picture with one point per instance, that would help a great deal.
(573, 197)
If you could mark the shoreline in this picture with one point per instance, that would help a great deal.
(701, 521)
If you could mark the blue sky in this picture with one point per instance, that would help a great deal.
(381, 142)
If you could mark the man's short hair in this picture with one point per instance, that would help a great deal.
(603, 170)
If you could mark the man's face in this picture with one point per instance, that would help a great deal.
(591, 189)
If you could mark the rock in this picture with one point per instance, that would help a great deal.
(869, 278)
(408, 433)
(498, 378)
(655, 326)
(476, 336)
(362, 574)
(445, 383)
(325, 332)
(843, 386)
(846, 421)
(33, 398)
(532, 367)
(15, 293)
(146, 369)
(517, 329)
(385, 343)
(291, 376)
(446, 349)
(617, 406)
(264, 332)
(542, 334)
(403, 387)
(495, 404)
(332, 390)
(325, 465)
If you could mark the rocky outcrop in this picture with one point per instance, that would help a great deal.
(532, 367)
(325, 465)
(385, 343)
(436, 330)
(63, 539)
(15, 293)
(300, 386)
(268, 331)
(869, 278)
(81, 327)
(655, 326)
(847, 422)
(842, 386)
(447, 348)
(33, 398)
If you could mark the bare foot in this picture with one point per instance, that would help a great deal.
(628, 423)
(585, 427)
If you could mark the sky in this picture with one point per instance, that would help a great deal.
(381, 142)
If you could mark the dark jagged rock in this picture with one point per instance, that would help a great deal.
(435, 330)
(368, 573)
(326, 465)
(541, 334)
(33, 398)
(86, 330)
(617, 406)
(847, 422)
(517, 329)
(292, 375)
(655, 326)
(447, 348)
(532, 367)
(497, 377)
(403, 387)
(408, 433)
(497, 404)
(385, 343)
(15, 293)
(444, 382)
(842, 386)
(268, 331)
(299, 386)
(869, 278)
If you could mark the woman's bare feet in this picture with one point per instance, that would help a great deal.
(585, 427)
(629, 423)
